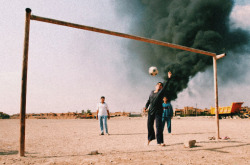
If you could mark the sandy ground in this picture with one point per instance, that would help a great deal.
(71, 141)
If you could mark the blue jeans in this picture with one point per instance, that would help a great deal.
(168, 120)
(101, 118)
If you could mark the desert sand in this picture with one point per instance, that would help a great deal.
(71, 141)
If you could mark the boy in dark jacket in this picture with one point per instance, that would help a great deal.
(155, 111)
(167, 114)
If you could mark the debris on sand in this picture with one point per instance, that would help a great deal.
(189, 143)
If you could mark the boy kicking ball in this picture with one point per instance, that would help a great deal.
(155, 111)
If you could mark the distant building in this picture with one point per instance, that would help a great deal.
(191, 111)
(178, 112)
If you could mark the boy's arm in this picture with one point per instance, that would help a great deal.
(97, 111)
(165, 84)
(108, 111)
(108, 114)
(147, 104)
(97, 114)
(171, 111)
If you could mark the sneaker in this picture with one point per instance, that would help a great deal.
(226, 138)
(107, 134)
(102, 133)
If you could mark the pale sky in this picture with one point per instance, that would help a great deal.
(70, 69)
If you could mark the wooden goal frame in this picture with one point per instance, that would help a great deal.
(83, 27)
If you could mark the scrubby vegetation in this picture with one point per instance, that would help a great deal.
(4, 115)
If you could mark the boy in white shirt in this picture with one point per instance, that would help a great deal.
(103, 114)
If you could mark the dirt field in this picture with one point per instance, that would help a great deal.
(71, 141)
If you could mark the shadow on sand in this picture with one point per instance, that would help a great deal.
(192, 133)
(8, 152)
(198, 147)
(129, 134)
(219, 149)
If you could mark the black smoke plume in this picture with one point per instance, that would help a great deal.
(201, 24)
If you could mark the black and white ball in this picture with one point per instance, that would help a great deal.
(153, 71)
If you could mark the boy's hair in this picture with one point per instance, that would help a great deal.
(102, 97)
(160, 83)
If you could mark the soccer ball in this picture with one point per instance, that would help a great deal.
(153, 71)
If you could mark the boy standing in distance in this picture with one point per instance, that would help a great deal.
(155, 111)
(167, 114)
(103, 114)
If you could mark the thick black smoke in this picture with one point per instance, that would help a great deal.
(201, 24)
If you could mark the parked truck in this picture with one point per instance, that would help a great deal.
(229, 111)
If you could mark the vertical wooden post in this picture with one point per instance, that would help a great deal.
(216, 99)
(24, 83)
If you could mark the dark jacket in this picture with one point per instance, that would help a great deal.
(155, 100)
(167, 110)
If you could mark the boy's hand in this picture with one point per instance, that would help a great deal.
(108, 116)
(169, 74)
(145, 110)
(96, 117)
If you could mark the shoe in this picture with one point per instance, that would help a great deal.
(211, 138)
(102, 133)
(107, 134)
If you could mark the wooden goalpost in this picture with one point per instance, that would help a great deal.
(83, 27)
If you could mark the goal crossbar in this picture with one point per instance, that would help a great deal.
(133, 37)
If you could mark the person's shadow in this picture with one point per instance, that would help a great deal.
(8, 152)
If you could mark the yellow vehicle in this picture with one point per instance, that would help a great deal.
(234, 109)
(246, 115)
(89, 116)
